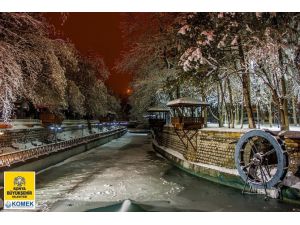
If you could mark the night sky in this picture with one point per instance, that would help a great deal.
(99, 32)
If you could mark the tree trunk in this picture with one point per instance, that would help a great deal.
(258, 116)
(89, 124)
(294, 102)
(284, 94)
(242, 115)
(279, 103)
(237, 114)
(262, 116)
(246, 93)
(285, 104)
(281, 115)
(246, 87)
(231, 107)
(225, 116)
(220, 105)
(225, 105)
(203, 96)
(270, 114)
(178, 91)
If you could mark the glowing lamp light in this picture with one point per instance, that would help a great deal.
(128, 91)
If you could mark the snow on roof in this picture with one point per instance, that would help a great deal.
(186, 101)
(158, 109)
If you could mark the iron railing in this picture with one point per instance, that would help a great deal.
(8, 159)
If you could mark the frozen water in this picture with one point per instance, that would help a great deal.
(128, 168)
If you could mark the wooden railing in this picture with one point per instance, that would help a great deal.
(187, 122)
(10, 158)
(157, 122)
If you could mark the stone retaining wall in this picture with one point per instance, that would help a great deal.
(213, 147)
(293, 149)
(217, 146)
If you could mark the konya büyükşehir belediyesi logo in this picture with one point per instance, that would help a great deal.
(19, 190)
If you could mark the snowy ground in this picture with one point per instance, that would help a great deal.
(128, 168)
(245, 126)
(61, 136)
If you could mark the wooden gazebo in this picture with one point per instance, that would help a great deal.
(187, 119)
(186, 113)
(158, 116)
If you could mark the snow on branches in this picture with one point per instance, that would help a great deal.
(10, 80)
(45, 71)
(190, 58)
(236, 53)
(184, 30)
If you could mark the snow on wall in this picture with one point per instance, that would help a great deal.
(22, 137)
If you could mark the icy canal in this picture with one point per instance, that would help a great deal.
(128, 168)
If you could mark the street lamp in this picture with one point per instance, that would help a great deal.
(55, 128)
(98, 125)
(82, 127)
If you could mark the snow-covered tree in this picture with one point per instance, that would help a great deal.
(75, 98)
(11, 81)
(90, 81)
(45, 70)
(14, 28)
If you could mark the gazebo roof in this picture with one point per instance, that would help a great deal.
(186, 101)
(158, 109)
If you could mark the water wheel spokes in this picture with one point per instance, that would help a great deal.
(261, 159)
